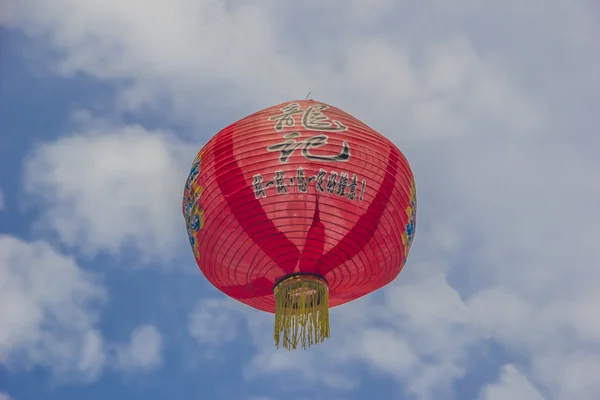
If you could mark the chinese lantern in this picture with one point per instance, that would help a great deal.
(298, 208)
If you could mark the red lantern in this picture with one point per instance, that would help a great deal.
(298, 208)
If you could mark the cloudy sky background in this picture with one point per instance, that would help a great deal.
(104, 103)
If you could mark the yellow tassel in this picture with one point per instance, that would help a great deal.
(301, 311)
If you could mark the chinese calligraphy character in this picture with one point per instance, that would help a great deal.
(280, 182)
(320, 180)
(319, 141)
(352, 187)
(342, 184)
(286, 119)
(301, 178)
(362, 190)
(259, 188)
(288, 147)
(332, 182)
(314, 119)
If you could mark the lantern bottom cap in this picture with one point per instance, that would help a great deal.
(301, 311)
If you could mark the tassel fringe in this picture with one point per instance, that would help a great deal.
(301, 312)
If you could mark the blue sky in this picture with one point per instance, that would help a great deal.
(103, 105)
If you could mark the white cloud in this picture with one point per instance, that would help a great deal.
(417, 336)
(49, 311)
(512, 385)
(421, 333)
(214, 323)
(112, 187)
(500, 137)
(144, 352)
(49, 316)
(4, 396)
(222, 55)
(432, 317)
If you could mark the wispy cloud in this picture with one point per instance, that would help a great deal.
(107, 188)
(511, 385)
(144, 352)
(214, 323)
(50, 314)
(50, 310)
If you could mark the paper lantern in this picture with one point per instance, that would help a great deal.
(298, 208)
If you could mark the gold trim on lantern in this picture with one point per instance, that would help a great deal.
(301, 311)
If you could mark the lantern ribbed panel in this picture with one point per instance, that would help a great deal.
(246, 240)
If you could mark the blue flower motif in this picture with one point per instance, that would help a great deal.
(195, 170)
(410, 229)
(195, 225)
(188, 209)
